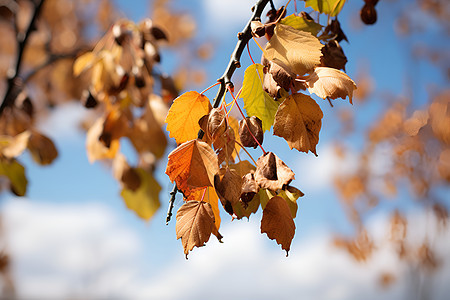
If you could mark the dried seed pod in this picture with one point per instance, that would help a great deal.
(249, 188)
(368, 14)
(248, 136)
(333, 56)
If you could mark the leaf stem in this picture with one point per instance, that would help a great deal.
(217, 83)
(249, 54)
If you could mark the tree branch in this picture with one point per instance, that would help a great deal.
(234, 63)
(15, 83)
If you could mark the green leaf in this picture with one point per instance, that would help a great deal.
(264, 196)
(329, 7)
(16, 175)
(291, 194)
(301, 23)
(256, 101)
(145, 200)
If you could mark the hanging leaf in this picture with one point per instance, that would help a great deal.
(144, 201)
(291, 194)
(272, 173)
(302, 23)
(192, 165)
(277, 222)
(225, 146)
(95, 148)
(249, 188)
(298, 121)
(195, 223)
(184, 114)
(16, 175)
(242, 210)
(208, 196)
(11, 147)
(330, 83)
(42, 149)
(228, 188)
(329, 7)
(250, 132)
(304, 49)
(256, 101)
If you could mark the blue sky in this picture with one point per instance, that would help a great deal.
(73, 235)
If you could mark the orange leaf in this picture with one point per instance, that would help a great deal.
(277, 222)
(298, 121)
(192, 165)
(195, 223)
(184, 114)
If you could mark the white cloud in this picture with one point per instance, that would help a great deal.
(226, 14)
(86, 250)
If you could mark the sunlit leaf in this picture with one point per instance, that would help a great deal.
(329, 7)
(184, 114)
(144, 201)
(330, 83)
(302, 23)
(298, 121)
(16, 175)
(256, 101)
(298, 50)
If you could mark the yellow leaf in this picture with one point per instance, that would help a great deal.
(329, 7)
(332, 83)
(192, 165)
(83, 62)
(291, 194)
(195, 223)
(95, 148)
(298, 121)
(256, 101)
(145, 200)
(183, 116)
(16, 175)
(302, 23)
(298, 50)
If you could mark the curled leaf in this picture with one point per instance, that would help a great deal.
(272, 173)
(195, 223)
(228, 188)
(250, 132)
(225, 145)
(330, 83)
(217, 123)
(333, 56)
(298, 121)
(42, 149)
(249, 188)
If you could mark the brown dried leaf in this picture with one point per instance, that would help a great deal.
(225, 146)
(249, 129)
(96, 149)
(195, 223)
(42, 149)
(298, 121)
(217, 123)
(304, 49)
(228, 188)
(330, 83)
(272, 173)
(208, 196)
(333, 56)
(249, 188)
(277, 222)
(440, 116)
(192, 165)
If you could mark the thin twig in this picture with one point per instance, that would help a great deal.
(15, 83)
(225, 80)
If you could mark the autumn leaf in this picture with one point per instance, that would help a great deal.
(15, 172)
(225, 145)
(277, 222)
(291, 194)
(42, 149)
(192, 165)
(272, 173)
(184, 114)
(228, 188)
(208, 196)
(412, 125)
(302, 23)
(11, 147)
(298, 121)
(243, 167)
(83, 62)
(329, 7)
(95, 148)
(256, 101)
(304, 49)
(195, 223)
(144, 201)
(249, 188)
(330, 83)
(250, 132)
(242, 210)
